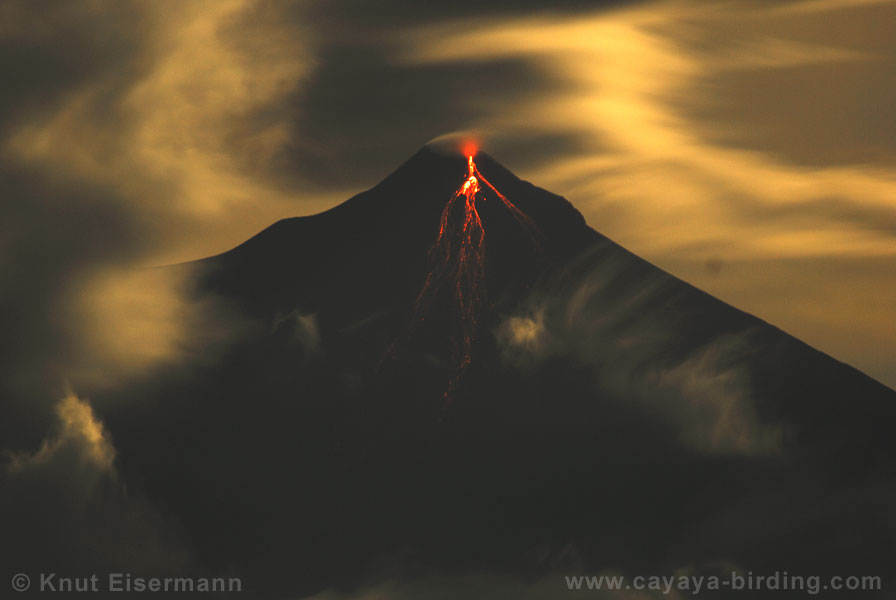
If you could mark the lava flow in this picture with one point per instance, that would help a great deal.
(457, 259)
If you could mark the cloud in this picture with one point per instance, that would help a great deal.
(710, 400)
(524, 339)
(58, 234)
(824, 6)
(182, 130)
(769, 52)
(80, 437)
(133, 320)
(613, 324)
(64, 508)
(191, 126)
(302, 330)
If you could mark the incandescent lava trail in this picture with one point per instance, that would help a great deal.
(457, 262)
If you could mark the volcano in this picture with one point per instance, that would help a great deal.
(611, 418)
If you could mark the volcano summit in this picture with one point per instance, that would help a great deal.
(610, 417)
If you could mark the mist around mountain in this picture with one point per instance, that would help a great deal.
(614, 419)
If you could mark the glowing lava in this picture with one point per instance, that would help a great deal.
(457, 260)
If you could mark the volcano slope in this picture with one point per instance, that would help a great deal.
(612, 418)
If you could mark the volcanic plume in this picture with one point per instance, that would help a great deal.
(457, 261)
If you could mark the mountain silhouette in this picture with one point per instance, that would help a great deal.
(613, 417)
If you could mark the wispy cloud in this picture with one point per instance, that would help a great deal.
(602, 320)
(128, 321)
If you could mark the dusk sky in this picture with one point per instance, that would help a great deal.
(747, 147)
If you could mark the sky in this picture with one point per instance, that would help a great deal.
(747, 147)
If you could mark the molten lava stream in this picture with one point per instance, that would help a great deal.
(464, 269)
